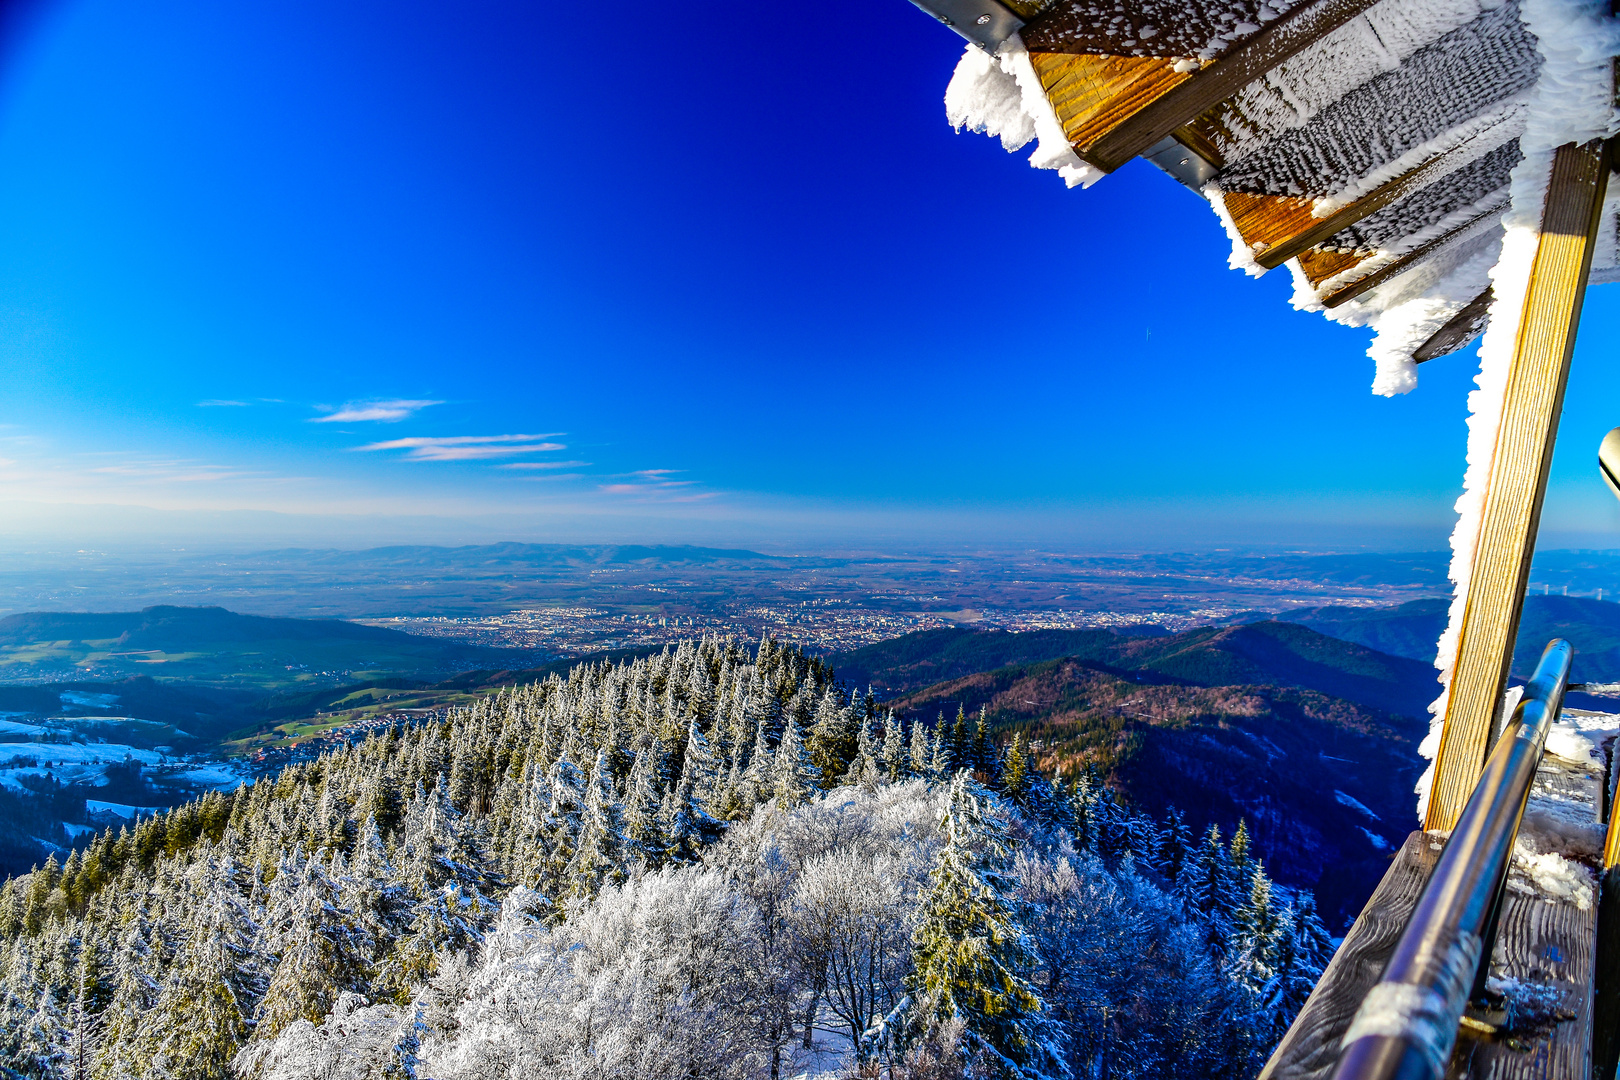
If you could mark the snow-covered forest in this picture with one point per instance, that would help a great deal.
(708, 863)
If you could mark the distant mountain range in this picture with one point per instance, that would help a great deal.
(1412, 630)
(549, 556)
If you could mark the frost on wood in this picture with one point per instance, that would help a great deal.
(1001, 96)
(1571, 102)
(1192, 29)
(1457, 99)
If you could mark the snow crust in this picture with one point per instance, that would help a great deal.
(1570, 102)
(1001, 96)
(1319, 121)
(1378, 41)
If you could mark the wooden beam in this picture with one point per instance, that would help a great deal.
(1405, 262)
(1517, 481)
(1091, 94)
(1606, 993)
(1279, 228)
(1240, 65)
(1133, 28)
(1321, 228)
(1459, 330)
(1320, 264)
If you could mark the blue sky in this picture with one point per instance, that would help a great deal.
(715, 273)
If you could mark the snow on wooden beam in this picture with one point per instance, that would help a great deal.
(1407, 261)
(1150, 119)
(1093, 94)
(1178, 29)
(1462, 328)
(1518, 472)
(1278, 228)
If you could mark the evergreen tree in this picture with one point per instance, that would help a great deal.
(971, 954)
(834, 738)
(896, 763)
(1016, 774)
(922, 752)
(792, 773)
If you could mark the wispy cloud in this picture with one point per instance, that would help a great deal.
(388, 411)
(467, 447)
(656, 484)
(177, 470)
(218, 403)
(543, 465)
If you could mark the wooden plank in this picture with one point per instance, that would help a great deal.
(1091, 94)
(1279, 228)
(1310, 1049)
(1405, 262)
(1240, 65)
(1549, 944)
(1319, 264)
(1606, 992)
(1517, 480)
(1462, 328)
(1138, 28)
(1320, 229)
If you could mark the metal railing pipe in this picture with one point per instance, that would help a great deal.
(1407, 1025)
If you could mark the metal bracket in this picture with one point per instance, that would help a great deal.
(983, 22)
(1180, 162)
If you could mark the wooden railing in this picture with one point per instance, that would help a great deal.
(1390, 1005)
(1407, 1025)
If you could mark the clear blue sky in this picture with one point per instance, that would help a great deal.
(725, 265)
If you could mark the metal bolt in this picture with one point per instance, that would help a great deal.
(982, 19)
(1184, 161)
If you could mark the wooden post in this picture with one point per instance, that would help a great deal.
(1518, 472)
(1606, 996)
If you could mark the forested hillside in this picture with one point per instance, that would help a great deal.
(1325, 784)
(1256, 654)
(703, 863)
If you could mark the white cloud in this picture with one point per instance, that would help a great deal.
(388, 411)
(543, 465)
(467, 447)
(216, 403)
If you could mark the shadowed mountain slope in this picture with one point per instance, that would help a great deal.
(1325, 783)
(1269, 653)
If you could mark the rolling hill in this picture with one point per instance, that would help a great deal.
(1412, 629)
(1325, 783)
(213, 646)
(1267, 653)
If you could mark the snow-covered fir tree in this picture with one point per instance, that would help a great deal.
(700, 862)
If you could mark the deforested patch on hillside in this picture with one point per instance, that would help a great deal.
(709, 862)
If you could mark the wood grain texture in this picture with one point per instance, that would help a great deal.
(1091, 94)
(1550, 943)
(1319, 264)
(1241, 64)
(1517, 480)
(1310, 1049)
(1319, 229)
(1279, 228)
(1406, 261)
(1606, 988)
(1459, 330)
